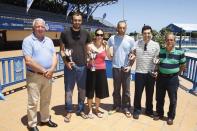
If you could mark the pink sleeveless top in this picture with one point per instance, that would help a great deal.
(99, 61)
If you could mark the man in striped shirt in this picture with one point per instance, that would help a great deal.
(172, 61)
(146, 50)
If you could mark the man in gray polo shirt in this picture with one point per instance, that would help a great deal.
(146, 50)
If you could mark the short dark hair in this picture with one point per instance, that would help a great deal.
(98, 30)
(146, 27)
(122, 21)
(77, 13)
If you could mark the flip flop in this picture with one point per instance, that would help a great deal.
(67, 118)
(99, 114)
(128, 114)
(90, 115)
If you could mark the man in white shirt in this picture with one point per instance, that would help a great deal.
(146, 50)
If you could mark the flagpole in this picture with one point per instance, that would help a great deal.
(123, 10)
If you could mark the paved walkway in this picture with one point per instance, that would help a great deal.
(13, 113)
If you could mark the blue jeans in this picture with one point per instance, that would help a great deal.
(76, 75)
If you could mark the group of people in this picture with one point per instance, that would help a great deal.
(85, 67)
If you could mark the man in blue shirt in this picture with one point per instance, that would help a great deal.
(41, 60)
(122, 45)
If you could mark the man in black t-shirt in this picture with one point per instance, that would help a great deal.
(73, 43)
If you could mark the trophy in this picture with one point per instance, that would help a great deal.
(92, 57)
(68, 53)
(154, 71)
(131, 57)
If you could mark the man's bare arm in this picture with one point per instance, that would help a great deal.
(182, 67)
(62, 50)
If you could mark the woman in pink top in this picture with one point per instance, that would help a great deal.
(96, 73)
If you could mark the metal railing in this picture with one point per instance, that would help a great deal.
(191, 72)
(13, 71)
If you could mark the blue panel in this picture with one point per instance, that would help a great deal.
(55, 26)
(108, 68)
(22, 68)
(61, 63)
(9, 71)
(133, 75)
(18, 69)
(4, 72)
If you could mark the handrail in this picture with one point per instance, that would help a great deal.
(14, 70)
(190, 72)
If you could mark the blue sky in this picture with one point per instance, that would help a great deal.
(156, 13)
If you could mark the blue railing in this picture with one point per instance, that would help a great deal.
(191, 71)
(12, 65)
(14, 71)
(109, 70)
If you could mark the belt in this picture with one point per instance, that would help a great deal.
(168, 75)
(35, 72)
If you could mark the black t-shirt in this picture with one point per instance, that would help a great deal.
(76, 40)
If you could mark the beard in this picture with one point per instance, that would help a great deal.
(77, 27)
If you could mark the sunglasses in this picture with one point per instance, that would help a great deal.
(145, 47)
(99, 35)
(169, 39)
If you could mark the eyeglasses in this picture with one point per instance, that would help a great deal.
(145, 47)
(99, 35)
(169, 39)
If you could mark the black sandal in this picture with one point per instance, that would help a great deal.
(83, 115)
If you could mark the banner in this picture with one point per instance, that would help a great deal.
(15, 24)
(29, 3)
(6, 23)
(54, 26)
